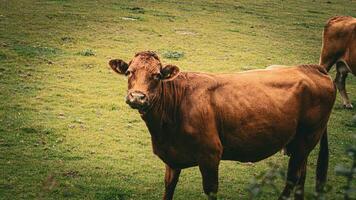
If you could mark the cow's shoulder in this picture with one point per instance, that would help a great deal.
(195, 107)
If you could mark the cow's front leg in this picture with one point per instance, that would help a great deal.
(209, 168)
(170, 181)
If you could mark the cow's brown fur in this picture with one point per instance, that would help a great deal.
(198, 119)
(339, 47)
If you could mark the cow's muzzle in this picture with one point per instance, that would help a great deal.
(137, 100)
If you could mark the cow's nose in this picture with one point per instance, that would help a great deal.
(138, 95)
(136, 99)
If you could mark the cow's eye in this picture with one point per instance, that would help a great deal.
(156, 76)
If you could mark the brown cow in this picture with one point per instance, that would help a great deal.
(339, 47)
(198, 119)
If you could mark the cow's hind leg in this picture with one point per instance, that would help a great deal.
(340, 80)
(296, 174)
(323, 162)
(299, 191)
(299, 148)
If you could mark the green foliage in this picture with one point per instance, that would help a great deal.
(267, 180)
(349, 173)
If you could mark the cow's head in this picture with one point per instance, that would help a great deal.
(144, 72)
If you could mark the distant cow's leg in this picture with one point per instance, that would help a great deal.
(170, 182)
(209, 169)
(296, 170)
(340, 78)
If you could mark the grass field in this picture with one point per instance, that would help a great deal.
(65, 130)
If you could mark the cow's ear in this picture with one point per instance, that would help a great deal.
(118, 65)
(169, 72)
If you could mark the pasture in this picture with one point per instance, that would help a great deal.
(65, 130)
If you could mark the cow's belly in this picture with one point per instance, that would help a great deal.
(257, 139)
(255, 148)
(175, 156)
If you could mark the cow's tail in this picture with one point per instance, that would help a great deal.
(323, 162)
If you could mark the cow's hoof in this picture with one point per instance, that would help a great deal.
(348, 106)
(212, 196)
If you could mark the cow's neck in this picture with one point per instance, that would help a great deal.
(164, 116)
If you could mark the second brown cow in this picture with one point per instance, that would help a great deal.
(199, 119)
(339, 48)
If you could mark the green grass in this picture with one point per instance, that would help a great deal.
(65, 130)
(173, 55)
(87, 52)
